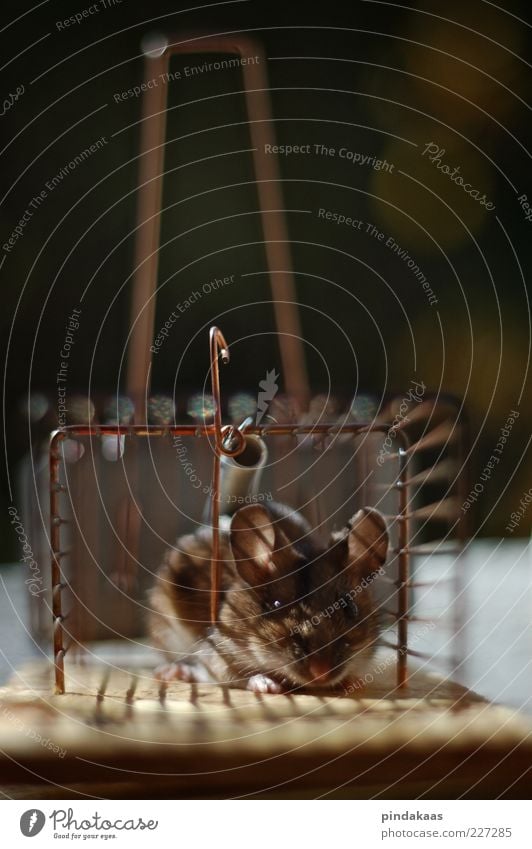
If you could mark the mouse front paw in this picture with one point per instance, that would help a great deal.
(350, 686)
(265, 684)
(177, 671)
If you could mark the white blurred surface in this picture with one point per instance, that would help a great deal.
(498, 613)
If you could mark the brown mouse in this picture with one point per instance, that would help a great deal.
(293, 613)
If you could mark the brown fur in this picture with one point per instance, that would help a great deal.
(284, 609)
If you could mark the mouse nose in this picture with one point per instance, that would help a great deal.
(319, 669)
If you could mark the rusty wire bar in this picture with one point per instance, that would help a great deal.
(219, 348)
(404, 569)
(150, 186)
(56, 489)
(209, 430)
(229, 441)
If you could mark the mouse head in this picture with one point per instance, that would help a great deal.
(301, 612)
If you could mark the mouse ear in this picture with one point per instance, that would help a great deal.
(367, 541)
(254, 539)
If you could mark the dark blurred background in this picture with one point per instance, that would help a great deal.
(377, 79)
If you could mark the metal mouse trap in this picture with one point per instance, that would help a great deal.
(128, 476)
(126, 485)
(121, 494)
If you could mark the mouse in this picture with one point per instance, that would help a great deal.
(294, 613)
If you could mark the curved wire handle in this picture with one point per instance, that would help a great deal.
(229, 441)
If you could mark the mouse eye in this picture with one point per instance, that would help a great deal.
(270, 606)
(352, 606)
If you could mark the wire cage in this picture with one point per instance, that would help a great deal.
(120, 494)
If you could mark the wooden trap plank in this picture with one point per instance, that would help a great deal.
(205, 739)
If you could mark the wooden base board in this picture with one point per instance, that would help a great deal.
(115, 732)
